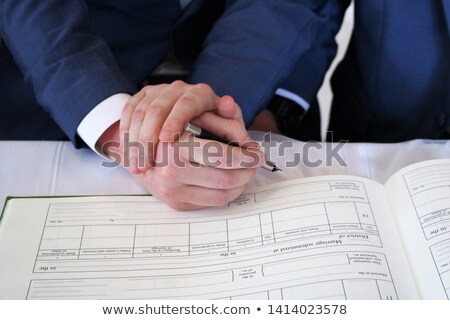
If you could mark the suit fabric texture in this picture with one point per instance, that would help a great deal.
(61, 58)
(65, 57)
(394, 81)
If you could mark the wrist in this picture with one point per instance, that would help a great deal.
(109, 142)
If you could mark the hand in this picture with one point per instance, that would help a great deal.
(159, 113)
(179, 183)
(192, 173)
(186, 178)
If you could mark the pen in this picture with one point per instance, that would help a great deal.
(205, 134)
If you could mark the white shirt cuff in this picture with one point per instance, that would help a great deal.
(99, 119)
(293, 97)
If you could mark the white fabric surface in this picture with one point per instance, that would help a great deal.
(57, 168)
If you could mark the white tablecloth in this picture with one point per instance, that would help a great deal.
(57, 168)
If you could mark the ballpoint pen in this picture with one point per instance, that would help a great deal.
(205, 134)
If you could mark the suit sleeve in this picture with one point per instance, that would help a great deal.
(256, 45)
(307, 76)
(70, 68)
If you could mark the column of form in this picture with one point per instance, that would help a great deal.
(267, 230)
(59, 243)
(86, 242)
(429, 188)
(161, 240)
(106, 242)
(300, 222)
(244, 232)
(208, 237)
(441, 256)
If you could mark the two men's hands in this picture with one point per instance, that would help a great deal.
(174, 166)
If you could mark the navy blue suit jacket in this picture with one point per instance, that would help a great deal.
(74, 54)
(392, 85)
(394, 82)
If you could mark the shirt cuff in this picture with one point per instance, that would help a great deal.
(99, 119)
(293, 97)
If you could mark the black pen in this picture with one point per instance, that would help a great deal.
(205, 134)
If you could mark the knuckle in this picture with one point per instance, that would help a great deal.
(167, 193)
(127, 108)
(138, 115)
(155, 110)
(187, 99)
(229, 99)
(147, 136)
(203, 87)
(124, 128)
(226, 181)
(221, 198)
(177, 84)
(169, 89)
(169, 171)
(148, 90)
(160, 88)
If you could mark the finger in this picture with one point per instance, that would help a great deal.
(137, 150)
(215, 154)
(230, 129)
(181, 206)
(127, 113)
(195, 101)
(228, 108)
(125, 122)
(217, 178)
(155, 115)
(166, 190)
(214, 178)
(207, 197)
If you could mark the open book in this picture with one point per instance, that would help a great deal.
(328, 237)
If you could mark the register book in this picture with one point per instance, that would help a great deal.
(326, 237)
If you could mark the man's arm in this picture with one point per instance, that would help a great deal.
(256, 44)
(71, 69)
(307, 76)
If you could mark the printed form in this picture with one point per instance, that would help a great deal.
(317, 238)
(421, 204)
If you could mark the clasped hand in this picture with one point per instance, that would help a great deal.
(184, 171)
